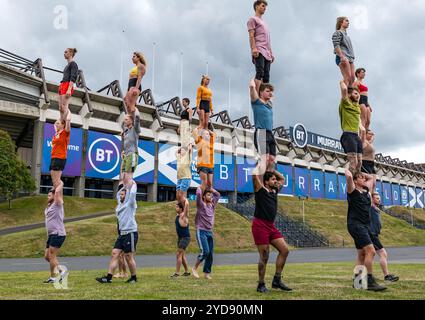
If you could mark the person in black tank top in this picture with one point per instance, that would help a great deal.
(66, 87)
(358, 222)
(266, 188)
(183, 234)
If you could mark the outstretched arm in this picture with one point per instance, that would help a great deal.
(257, 178)
(68, 122)
(59, 193)
(344, 89)
(253, 91)
(350, 182)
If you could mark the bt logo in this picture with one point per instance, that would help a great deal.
(104, 156)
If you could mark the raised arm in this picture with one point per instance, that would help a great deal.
(199, 202)
(369, 182)
(59, 193)
(280, 179)
(350, 182)
(344, 90)
(253, 91)
(257, 178)
(137, 120)
(68, 122)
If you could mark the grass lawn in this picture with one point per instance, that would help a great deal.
(330, 281)
(418, 214)
(30, 210)
(157, 234)
(330, 219)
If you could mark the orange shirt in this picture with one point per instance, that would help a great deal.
(60, 144)
(204, 93)
(205, 150)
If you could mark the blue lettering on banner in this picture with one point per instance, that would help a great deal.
(396, 194)
(342, 187)
(379, 188)
(245, 167)
(301, 182)
(387, 199)
(404, 196)
(331, 186)
(288, 186)
(317, 184)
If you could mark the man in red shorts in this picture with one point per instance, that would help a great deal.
(266, 190)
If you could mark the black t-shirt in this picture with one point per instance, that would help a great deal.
(359, 204)
(70, 72)
(375, 221)
(184, 115)
(266, 205)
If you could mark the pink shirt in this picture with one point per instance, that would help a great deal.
(261, 36)
(54, 219)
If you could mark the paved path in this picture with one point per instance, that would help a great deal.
(42, 225)
(396, 255)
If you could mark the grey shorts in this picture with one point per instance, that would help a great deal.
(183, 243)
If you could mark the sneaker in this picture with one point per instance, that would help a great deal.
(372, 285)
(391, 278)
(63, 275)
(208, 276)
(175, 275)
(50, 280)
(103, 280)
(262, 288)
(195, 273)
(278, 284)
(186, 274)
(131, 280)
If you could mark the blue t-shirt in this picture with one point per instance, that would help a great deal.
(263, 115)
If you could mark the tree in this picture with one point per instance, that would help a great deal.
(14, 174)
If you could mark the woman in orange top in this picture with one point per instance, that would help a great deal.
(60, 143)
(204, 105)
(204, 140)
(135, 81)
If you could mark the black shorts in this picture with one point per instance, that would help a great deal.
(183, 243)
(364, 100)
(127, 243)
(57, 164)
(368, 167)
(264, 142)
(132, 83)
(376, 242)
(360, 234)
(205, 170)
(205, 105)
(262, 68)
(55, 241)
(351, 143)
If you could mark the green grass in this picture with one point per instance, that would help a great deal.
(30, 210)
(418, 214)
(318, 281)
(330, 219)
(157, 234)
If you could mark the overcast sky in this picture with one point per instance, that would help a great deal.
(387, 36)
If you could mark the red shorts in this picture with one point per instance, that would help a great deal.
(63, 88)
(264, 232)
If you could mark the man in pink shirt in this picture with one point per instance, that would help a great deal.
(259, 39)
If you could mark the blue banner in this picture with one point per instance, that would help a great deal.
(396, 194)
(387, 194)
(419, 196)
(379, 189)
(245, 167)
(317, 186)
(224, 172)
(286, 171)
(301, 182)
(104, 158)
(342, 187)
(412, 197)
(74, 153)
(331, 186)
(404, 196)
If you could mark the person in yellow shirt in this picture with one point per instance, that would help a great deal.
(135, 81)
(184, 172)
(204, 140)
(204, 105)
